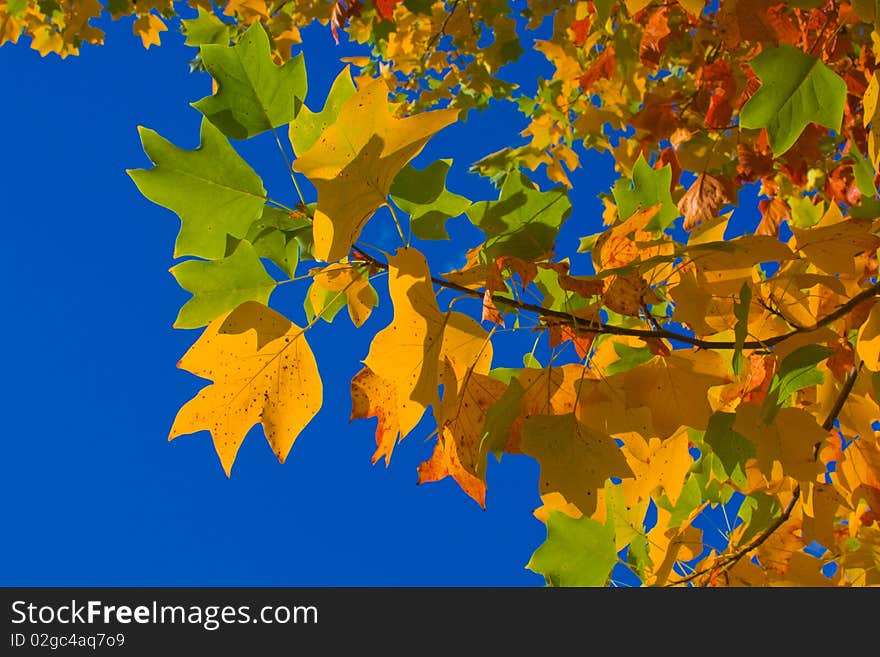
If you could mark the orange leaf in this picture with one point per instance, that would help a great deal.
(705, 198)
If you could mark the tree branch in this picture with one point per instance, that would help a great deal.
(586, 326)
(436, 37)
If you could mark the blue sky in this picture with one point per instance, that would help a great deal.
(93, 492)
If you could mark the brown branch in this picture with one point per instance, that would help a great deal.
(442, 31)
(848, 385)
(585, 326)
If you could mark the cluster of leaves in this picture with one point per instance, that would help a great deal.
(696, 366)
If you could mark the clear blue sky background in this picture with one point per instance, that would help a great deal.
(93, 494)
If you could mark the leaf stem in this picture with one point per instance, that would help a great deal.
(397, 224)
(302, 199)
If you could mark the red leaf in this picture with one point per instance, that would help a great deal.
(386, 8)
(602, 69)
(655, 37)
(581, 29)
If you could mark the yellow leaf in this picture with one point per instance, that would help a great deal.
(249, 10)
(868, 345)
(148, 29)
(618, 246)
(465, 348)
(635, 6)
(46, 40)
(618, 506)
(548, 391)
(788, 441)
(372, 396)
(262, 371)
(675, 388)
(821, 504)
(859, 469)
(668, 545)
(869, 100)
(693, 7)
(832, 248)
(468, 392)
(803, 570)
(776, 552)
(703, 312)
(659, 464)
(457, 453)
(557, 502)
(406, 353)
(353, 281)
(354, 162)
(575, 460)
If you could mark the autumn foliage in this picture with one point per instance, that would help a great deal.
(703, 356)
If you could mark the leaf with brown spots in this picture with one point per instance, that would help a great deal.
(658, 464)
(575, 460)
(406, 353)
(785, 445)
(675, 388)
(457, 453)
(263, 371)
(372, 396)
(832, 248)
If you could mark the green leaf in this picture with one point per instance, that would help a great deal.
(16, 8)
(804, 214)
(629, 357)
(221, 285)
(499, 421)
(505, 374)
(647, 188)
(211, 189)
(577, 552)
(797, 371)
(280, 237)
(307, 127)
(731, 448)
(422, 194)
(603, 10)
(206, 29)
(864, 172)
(331, 302)
(523, 222)
(758, 510)
(253, 94)
(796, 89)
(741, 329)
(419, 6)
(555, 298)
(688, 500)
